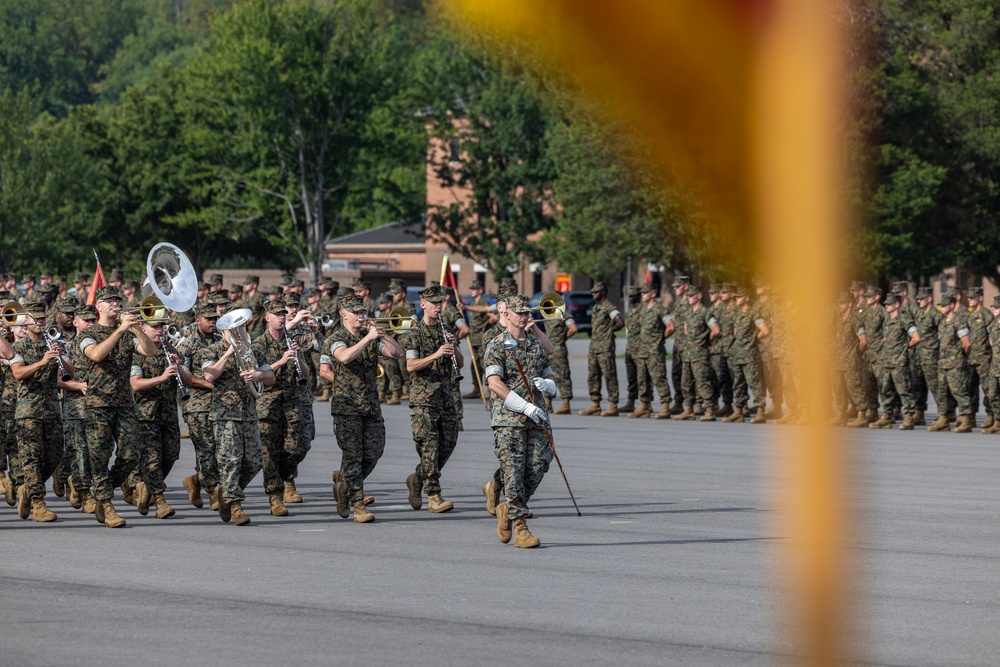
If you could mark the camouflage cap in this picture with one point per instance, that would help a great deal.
(35, 307)
(292, 298)
(81, 278)
(68, 304)
(433, 294)
(203, 286)
(107, 292)
(945, 300)
(891, 300)
(59, 279)
(680, 280)
(236, 288)
(29, 278)
(353, 304)
(86, 313)
(131, 284)
(385, 298)
(216, 279)
(251, 280)
(219, 297)
(634, 290)
(48, 289)
(518, 304)
(397, 287)
(275, 290)
(598, 287)
(741, 292)
(900, 286)
(728, 287)
(476, 284)
(693, 290)
(331, 285)
(275, 307)
(509, 282)
(975, 292)
(286, 280)
(844, 297)
(505, 292)
(873, 291)
(996, 301)
(858, 286)
(46, 275)
(205, 310)
(713, 288)
(116, 276)
(298, 283)
(647, 288)
(924, 293)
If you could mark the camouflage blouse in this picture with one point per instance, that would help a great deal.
(556, 330)
(282, 396)
(500, 361)
(8, 397)
(746, 323)
(37, 396)
(848, 333)
(633, 324)
(354, 390)
(680, 311)
(602, 335)
(698, 329)
(200, 399)
(652, 323)
(74, 402)
(950, 354)
(159, 403)
(724, 315)
(928, 324)
(897, 340)
(979, 321)
(108, 380)
(232, 399)
(478, 322)
(433, 385)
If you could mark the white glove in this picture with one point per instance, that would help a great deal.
(515, 403)
(544, 385)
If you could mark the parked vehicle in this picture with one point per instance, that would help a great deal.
(578, 305)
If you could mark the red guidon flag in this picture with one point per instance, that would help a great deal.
(447, 275)
(98, 283)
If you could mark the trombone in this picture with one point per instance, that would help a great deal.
(150, 309)
(552, 306)
(399, 320)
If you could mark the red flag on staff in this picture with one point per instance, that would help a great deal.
(98, 283)
(447, 276)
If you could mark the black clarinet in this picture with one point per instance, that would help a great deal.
(454, 363)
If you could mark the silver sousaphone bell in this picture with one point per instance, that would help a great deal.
(171, 277)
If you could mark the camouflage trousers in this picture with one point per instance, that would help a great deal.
(314, 377)
(896, 380)
(677, 376)
(771, 376)
(851, 389)
(631, 376)
(887, 392)
(361, 439)
(652, 372)
(239, 456)
(559, 361)
(435, 433)
(697, 381)
(924, 378)
(159, 449)
(476, 370)
(789, 387)
(111, 430)
(456, 392)
(979, 377)
(746, 375)
(8, 448)
(870, 385)
(524, 456)
(283, 448)
(40, 446)
(393, 378)
(722, 379)
(203, 438)
(954, 386)
(75, 442)
(602, 365)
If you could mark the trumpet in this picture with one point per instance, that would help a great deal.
(14, 314)
(552, 306)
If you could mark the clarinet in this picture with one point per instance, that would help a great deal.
(181, 389)
(300, 376)
(454, 363)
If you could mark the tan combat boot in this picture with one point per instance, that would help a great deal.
(761, 417)
(361, 513)
(548, 404)
(919, 419)
(342, 495)
(988, 423)
(277, 506)
(612, 411)
(965, 424)
(240, 517)
(839, 419)
(58, 488)
(523, 537)
(677, 407)
(709, 415)
(193, 487)
(394, 398)
(664, 412)
(110, 516)
(325, 394)
(74, 497)
(381, 396)
(128, 494)
(563, 409)
(40, 511)
(23, 502)
(87, 502)
(163, 510)
(405, 394)
(629, 406)
(437, 504)
(10, 492)
(698, 410)
(291, 494)
(213, 499)
(790, 417)
(907, 424)
(503, 523)
(492, 492)
(737, 416)
(142, 498)
(594, 409)
(940, 424)
(225, 509)
(415, 486)
(860, 421)
(774, 413)
(687, 415)
(644, 410)
(726, 410)
(885, 421)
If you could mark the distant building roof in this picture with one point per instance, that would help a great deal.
(399, 234)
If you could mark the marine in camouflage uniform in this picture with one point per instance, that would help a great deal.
(350, 363)
(454, 323)
(9, 460)
(280, 408)
(953, 368)
(849, 337)
(255, 301)
(74, 412)
(233, 413)
(38, 415)
(718, 349)
(110, 409)
(925, 354)
(994, 380)
(770, 370)
(309, 339)
(605, 321)
(197, 409)
(399, 300)
(61, 316)
(480, 316)
(329, 304)
(875, 319)
(900, 334)
(749, 327)
(980, 354)
(433, 414)
(559, 331)
(679, 312)
(519, 423)
(700, 328)
(655, 324)
(154, 382)
(632, 350)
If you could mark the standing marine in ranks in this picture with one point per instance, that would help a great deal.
(925, 357)
(605, 320)
(111, 417)
(519, 424)
(700, 328)
(679, 311)
(632, 350)
(558, 332)
(38, 415)
(850, 341)
(279, 408)
(481, 317)
(655, 326)
(980, 355)
(994, 379)
(953, 367)
(350, 363)
(749, 328)
(900, 335)
(431, 359)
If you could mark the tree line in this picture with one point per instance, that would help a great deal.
(252, 132)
